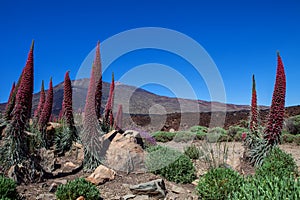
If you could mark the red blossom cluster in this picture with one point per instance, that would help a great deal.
(119, 118)
(254, 113)
(38, 111)
(276, 115)
(67, 109)
(47, 108)
(23, 104)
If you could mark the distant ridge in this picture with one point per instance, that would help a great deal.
(136, 100)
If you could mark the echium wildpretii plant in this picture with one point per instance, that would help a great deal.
(98, 79)
(254, 110)
(18, 149)
(108, 118)
(64, 140)
(47, 108)
(272, 132)
(91, 130)
(67, 101)
(12, 100)
(119, 118)
(40, 106)
(258, 148)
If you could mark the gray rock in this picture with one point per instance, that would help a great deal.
(155, 188)
(45, 197)
(128, 196)
(53, 187)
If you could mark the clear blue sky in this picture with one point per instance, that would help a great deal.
(242, 38)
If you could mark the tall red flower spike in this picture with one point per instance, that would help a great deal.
(38, 111)
(47, 108)
(11, 103)
(275, 121)
(91, 130)
(254, 111)
(10, 98)
(119, 118)
(109, 105)
(98, 78)
(24, 96)
(67, 101)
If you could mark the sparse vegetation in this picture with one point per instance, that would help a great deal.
(76, 188)
(8, 189)
(218, 183)
(171, 164)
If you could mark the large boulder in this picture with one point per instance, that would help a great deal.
(124, 152)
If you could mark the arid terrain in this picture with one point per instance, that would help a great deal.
(119, 187)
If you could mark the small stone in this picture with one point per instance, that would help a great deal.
(178, 190)
(45, 197)
(80, 198)
(101, 175)
(61, 181)
(70, 164)
(195, 182)
(141, 197)
(128, 196)
(53, 188)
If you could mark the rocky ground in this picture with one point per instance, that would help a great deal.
(119, 187)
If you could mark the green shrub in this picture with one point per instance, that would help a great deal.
(171, 164)
(287, 138)
(64, 137)
(8, 188)
(277, 163)
(200, 131)
(269, 187)
(235, 132)
(76, 188)
(163, 136)
(192, 152)
(297, 139)
(184, 136)
(292, 125)
(218, 183)
(215, 134)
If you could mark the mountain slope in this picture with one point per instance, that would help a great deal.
(135, 100)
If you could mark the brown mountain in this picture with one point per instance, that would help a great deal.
(159, 112)
(137, 101)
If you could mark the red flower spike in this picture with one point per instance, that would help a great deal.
(276, 116)
(47, 108)
(38, 111)
(23, 104)
(98, 78)
(110, 102)
(254, 110)
(67, 101)
(119, 118)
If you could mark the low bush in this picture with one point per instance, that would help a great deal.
(218, 183)
(215, 134)
(171, 164)
(192, 152)
(76, 188)
(287, 138)
(277, 163)
(184, 136)
(292, 125)
(235, 132)
(268, 187)
(8, 188)
(163, 136)
(200, 132)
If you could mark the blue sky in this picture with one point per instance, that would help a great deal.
(241, 37)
